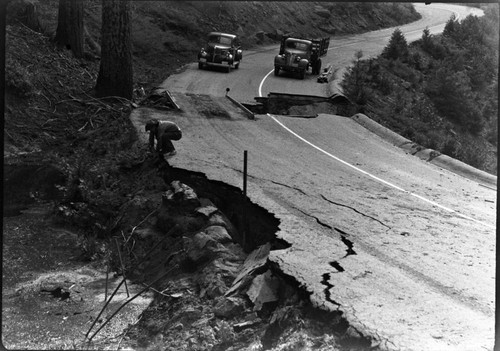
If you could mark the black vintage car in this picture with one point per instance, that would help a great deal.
(222, 49)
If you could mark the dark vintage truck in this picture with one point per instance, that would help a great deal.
(222, 50)
(298, 54)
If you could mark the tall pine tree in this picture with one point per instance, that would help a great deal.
(69, 31)
(115, 73)
(397, 47)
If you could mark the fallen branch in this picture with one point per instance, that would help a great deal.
(43, 85)
(103, 308)
(82, 128)
(130, 300)
(134, 228)
(102, 103)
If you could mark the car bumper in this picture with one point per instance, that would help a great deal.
(219, 64)
(290, 68)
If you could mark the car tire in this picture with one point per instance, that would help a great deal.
(200, 65)
(318, 66)
(228, 68)
(237, 65)
(302, 74)
(276, 71)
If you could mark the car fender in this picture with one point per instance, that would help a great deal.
(303, 63)
(278, 59)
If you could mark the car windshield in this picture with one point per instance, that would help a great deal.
(297, 45)
(218, 39)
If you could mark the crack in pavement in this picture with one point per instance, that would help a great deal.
(290, 187)
(347, 242)
(328, 286)
(343, 235)
(355, 210)
(337, 266)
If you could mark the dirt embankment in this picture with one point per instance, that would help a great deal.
(75, 167)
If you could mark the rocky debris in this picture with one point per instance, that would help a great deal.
(263, 289)
(229, 307)
(220, 298)
(255, 261)
(158, 99)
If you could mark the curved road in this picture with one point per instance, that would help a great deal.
(404, 249)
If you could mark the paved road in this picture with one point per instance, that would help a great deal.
(404, 249)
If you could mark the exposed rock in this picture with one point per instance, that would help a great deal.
(263, 289)
(220, 219)
(229, 307)
(225, 332)
(219, 234)
(207, 211)
(213, 285)
(181, 195)
(166, 220)
(257, 259)
(195, 249)
(246, 324)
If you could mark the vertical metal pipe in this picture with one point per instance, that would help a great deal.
(245, 161)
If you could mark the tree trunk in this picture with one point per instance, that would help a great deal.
(62, 24)
(115, 73)
(70, 26)
(91, 42)
(26, 12)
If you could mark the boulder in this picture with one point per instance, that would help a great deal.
(264, 289)
(181, 196)
(218, 233)
(256, 260)
(229, 307)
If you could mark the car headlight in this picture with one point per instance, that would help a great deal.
(297, 58)
(230, 56)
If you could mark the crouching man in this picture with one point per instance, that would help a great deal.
(164, 132)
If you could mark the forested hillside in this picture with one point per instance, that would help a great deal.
(168, 34)
(440, 91)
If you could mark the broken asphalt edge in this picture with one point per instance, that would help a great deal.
(428, 155)
(249, 113)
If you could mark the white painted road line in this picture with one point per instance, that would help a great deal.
(367, 173)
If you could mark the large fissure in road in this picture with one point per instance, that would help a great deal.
(255, 225)
(256, 228)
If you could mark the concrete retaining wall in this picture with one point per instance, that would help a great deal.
(429, 155)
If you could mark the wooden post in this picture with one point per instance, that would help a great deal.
(245, 161)
(245, 218)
